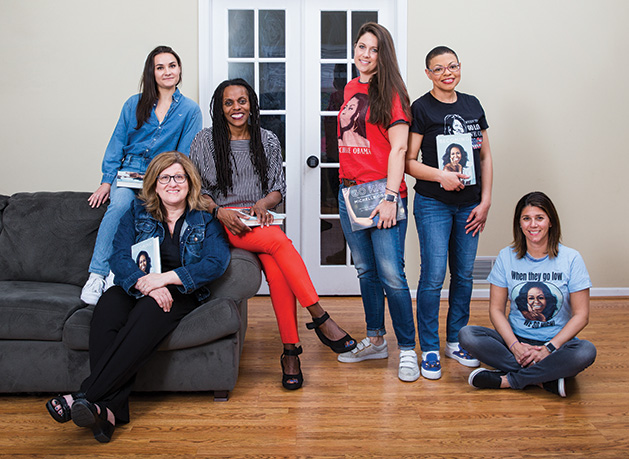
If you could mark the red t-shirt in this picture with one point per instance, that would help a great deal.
(364, 147)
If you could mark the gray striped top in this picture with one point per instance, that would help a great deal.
(246, 189)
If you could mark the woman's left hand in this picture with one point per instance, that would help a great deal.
(477, 218)
(146, 284)
(262, 213)
(163, 298)
(533, 355)
(388, 214)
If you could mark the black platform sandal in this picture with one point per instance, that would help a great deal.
(345, 344)
(55, 403)
(292, 382)
(85, 414)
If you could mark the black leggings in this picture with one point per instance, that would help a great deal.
(124, 333)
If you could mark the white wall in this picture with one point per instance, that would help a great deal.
(550, 75)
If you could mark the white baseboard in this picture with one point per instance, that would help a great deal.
(483, 293)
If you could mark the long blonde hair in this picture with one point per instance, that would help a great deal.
(152, 202)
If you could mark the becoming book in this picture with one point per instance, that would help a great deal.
(129, 179)
(251, 220)
(146, 255)
(455, 154)
(362, 199)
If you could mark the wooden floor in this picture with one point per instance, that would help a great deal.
(356, 410)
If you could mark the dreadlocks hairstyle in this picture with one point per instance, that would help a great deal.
(387, 81)
(221, 137)
(148, 86)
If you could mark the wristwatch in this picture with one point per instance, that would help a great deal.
(215, 211)
(390, 198)
(550, 347)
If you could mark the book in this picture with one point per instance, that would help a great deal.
(130, 179)
(362, 199)
(455, 154)
(146, 255)
(251, 220)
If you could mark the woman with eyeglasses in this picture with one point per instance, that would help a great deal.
(132, 318)
(158, 119)
(449, 212)
(241, 167)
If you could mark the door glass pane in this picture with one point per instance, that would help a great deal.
(329, 190)
(329, 140)
(333, 247)
(333, 34)
(358, 19)
(241, 32)
(272, 33)
(272, 86)
(276, 124)
(244, 70)
(333, 81)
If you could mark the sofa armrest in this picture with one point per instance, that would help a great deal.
(242, 278)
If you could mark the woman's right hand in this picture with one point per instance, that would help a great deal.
(232, 221)
(451, 181)
(163, 298)
(100, 195)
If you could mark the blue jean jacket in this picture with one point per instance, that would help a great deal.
(203, 247)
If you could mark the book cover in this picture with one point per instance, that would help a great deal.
(146, 255)
(362, 199)
(455, 154)
(251, 220)
(130, 179)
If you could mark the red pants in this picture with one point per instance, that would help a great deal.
(285, 272)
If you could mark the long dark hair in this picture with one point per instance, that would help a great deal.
(221, 137)
(387, 81)
(536, 199)
(148, 86)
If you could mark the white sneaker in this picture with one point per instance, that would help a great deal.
(409, 369)
(454, 351)
(109, 281)
(365, 350)
(93, 289)
(431, 365)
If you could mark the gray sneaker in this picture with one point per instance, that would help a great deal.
(365, 350)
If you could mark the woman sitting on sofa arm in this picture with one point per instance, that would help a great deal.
(133, 317)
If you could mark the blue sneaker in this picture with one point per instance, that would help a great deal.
(461, 355)
(431, 366)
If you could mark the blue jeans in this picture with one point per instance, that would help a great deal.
(120, 200)
(442, 241)
(379, 259)
(487, 345)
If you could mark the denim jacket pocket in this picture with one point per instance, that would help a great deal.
(194, 244)
(145, 227)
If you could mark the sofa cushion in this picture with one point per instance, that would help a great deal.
(36, 310)
(48, 237)
(207, 323)
(4, 200)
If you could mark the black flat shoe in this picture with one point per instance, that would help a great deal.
(85, 414)
(63, 415)
(345, 344)
(292, 382)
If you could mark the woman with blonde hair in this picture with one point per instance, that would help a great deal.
(134, 316)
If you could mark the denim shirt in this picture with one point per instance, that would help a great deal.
(203, 249)
(132, 149)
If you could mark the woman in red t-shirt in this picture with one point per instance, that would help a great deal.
(376, 152)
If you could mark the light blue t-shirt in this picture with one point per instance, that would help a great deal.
(539, 290)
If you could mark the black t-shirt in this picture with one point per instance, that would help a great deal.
(169, 249)
(432, 118)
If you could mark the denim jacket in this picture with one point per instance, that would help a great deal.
(203, 247)
(132, 149)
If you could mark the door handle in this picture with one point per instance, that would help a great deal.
(312, 161)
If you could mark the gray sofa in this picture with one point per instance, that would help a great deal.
(46, 242)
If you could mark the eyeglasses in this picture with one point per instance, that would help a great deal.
(165, 179)
(439, 70)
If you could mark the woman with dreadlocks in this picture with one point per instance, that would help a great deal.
(241, 167)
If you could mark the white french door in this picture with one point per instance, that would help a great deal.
(297, 54)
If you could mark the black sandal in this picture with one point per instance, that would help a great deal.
(85, 414)
(345, 344)
(66, 413)
(292, 382)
